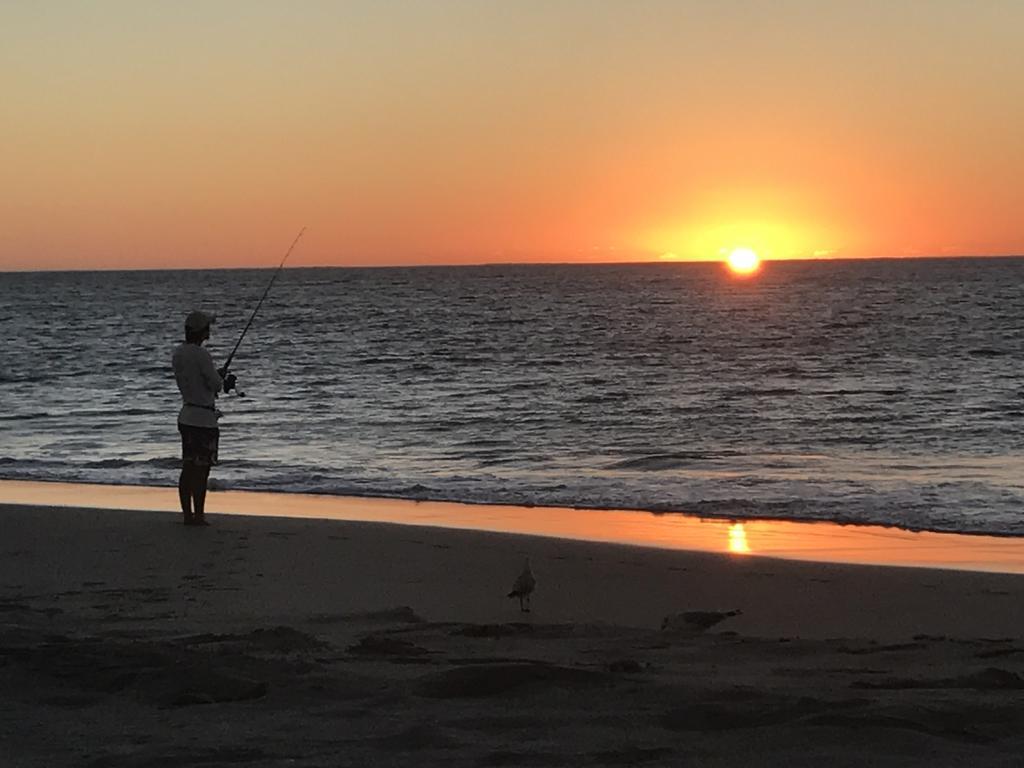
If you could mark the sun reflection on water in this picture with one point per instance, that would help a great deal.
(738, 539)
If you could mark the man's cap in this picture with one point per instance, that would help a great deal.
(197, 321)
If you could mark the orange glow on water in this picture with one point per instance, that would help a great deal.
(738, 539)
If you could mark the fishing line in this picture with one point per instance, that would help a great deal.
(252, 317)
(264, 296)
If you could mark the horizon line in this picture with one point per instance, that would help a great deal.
(632, 262)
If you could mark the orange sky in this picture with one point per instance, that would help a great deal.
(206, 134)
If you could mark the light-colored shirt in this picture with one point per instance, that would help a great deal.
(199, 384)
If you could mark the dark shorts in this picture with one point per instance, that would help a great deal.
(199, 445)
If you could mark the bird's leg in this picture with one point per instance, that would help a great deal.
(527, 609)
(521, 609)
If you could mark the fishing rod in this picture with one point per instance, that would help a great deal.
(227, 365)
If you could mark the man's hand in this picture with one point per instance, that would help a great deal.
(222, 371)
(229, 382)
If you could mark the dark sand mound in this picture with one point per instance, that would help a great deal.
(480, 680)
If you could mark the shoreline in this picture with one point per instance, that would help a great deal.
(732, 519)
(816, 541)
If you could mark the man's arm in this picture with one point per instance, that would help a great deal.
(210, 375)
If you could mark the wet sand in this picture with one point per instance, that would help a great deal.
(127, 639)
(817, 541)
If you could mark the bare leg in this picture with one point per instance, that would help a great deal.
(185, 492)
(192, 492)
(199, 492)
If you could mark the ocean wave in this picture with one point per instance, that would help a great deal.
(12, 461)
(164, 462)
(858, 392)
(838, 325)
(24, 378)
(497, 462)
(662, 461)
(511, 386)
(785, 369)
(988, 352)
(861, 418)
(480, 443)
(26, 416)
(108, 464)
(605, 397)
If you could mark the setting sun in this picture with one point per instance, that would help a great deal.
(743, 261)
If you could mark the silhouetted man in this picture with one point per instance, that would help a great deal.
(199, 383)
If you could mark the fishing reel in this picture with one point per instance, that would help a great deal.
(230, 382)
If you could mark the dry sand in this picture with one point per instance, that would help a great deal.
(127, 639)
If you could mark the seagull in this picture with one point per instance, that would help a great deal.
(523, 587)
(697, 621)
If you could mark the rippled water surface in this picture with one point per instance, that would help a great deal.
(877, 391)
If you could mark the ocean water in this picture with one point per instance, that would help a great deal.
(885, 392)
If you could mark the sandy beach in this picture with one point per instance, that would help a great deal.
(128, 639)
